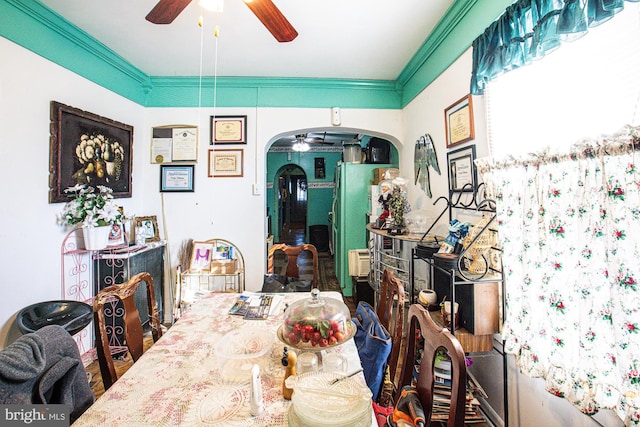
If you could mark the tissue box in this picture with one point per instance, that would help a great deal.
(224, 266)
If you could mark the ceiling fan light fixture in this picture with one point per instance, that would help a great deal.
(300, 146)
(212, 5)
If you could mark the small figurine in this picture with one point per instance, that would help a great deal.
(385, 187)
(457, 230)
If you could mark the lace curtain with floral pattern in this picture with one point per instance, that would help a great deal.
(569, 226)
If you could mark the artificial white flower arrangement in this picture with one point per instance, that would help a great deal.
(90, 208)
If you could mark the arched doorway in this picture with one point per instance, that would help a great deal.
(320, 164)
(292, 204)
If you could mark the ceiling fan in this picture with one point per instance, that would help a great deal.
(165, 11)
(302, 142)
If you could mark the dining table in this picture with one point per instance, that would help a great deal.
(178, 380)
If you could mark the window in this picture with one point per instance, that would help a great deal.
(585, 88)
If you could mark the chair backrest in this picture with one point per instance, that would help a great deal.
(390, 311)
(292, 253)
(133, 335)
(435, 338)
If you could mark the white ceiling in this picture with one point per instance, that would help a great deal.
(350, 39)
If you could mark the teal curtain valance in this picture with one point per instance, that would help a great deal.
(528, 29)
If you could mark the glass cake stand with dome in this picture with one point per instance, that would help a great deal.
(316, 323)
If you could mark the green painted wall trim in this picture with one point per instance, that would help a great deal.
(272, 92)
(454, 34)
(35, 27)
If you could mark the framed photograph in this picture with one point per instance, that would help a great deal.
(175, 179)
(201, 256)
(85, 148)
(462, 170)
(117, 236)
(147, 228)
(228, 129)
(458, 120)
(225, 163)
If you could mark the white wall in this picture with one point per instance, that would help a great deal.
(425, 114)
(225, 207)
(220, 207)
(30, 240)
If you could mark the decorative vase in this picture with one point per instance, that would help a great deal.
(96, 238)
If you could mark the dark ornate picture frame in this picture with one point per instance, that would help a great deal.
(105, 158)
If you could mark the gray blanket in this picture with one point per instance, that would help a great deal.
(45, 368)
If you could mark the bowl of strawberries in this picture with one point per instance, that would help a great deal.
(316, 323)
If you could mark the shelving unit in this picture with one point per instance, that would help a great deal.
(479, 292)
(392, 252)
(225, 275)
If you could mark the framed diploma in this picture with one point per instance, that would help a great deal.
(228, 129)
(458, 120)
(174, 143)
(462, 170)
(176, 178)
(225, 163)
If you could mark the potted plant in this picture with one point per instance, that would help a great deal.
(94, 211)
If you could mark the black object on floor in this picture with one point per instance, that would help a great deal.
(319, 237)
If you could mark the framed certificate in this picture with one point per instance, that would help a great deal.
(225, 163)
(176, 178)
(458, 120)
(174, 143)
(228, 129)
(462, 170)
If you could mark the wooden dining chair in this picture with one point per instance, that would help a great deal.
(390, 311)
(292, 253)
(434, 338)
(133, 335)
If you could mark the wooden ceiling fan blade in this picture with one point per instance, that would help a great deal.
(271, 17)
(165, 11)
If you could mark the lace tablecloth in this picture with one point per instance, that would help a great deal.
(177, 382)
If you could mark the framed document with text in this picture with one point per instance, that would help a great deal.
(176, 178)
(225, 163)
(458, 120)
(462, 170)
(228, 129)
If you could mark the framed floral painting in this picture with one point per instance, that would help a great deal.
(85, 148)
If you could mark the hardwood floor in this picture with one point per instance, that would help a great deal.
(293, 233)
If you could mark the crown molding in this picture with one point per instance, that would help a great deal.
(37, 28)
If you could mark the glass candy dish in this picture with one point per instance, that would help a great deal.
(239, 350)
